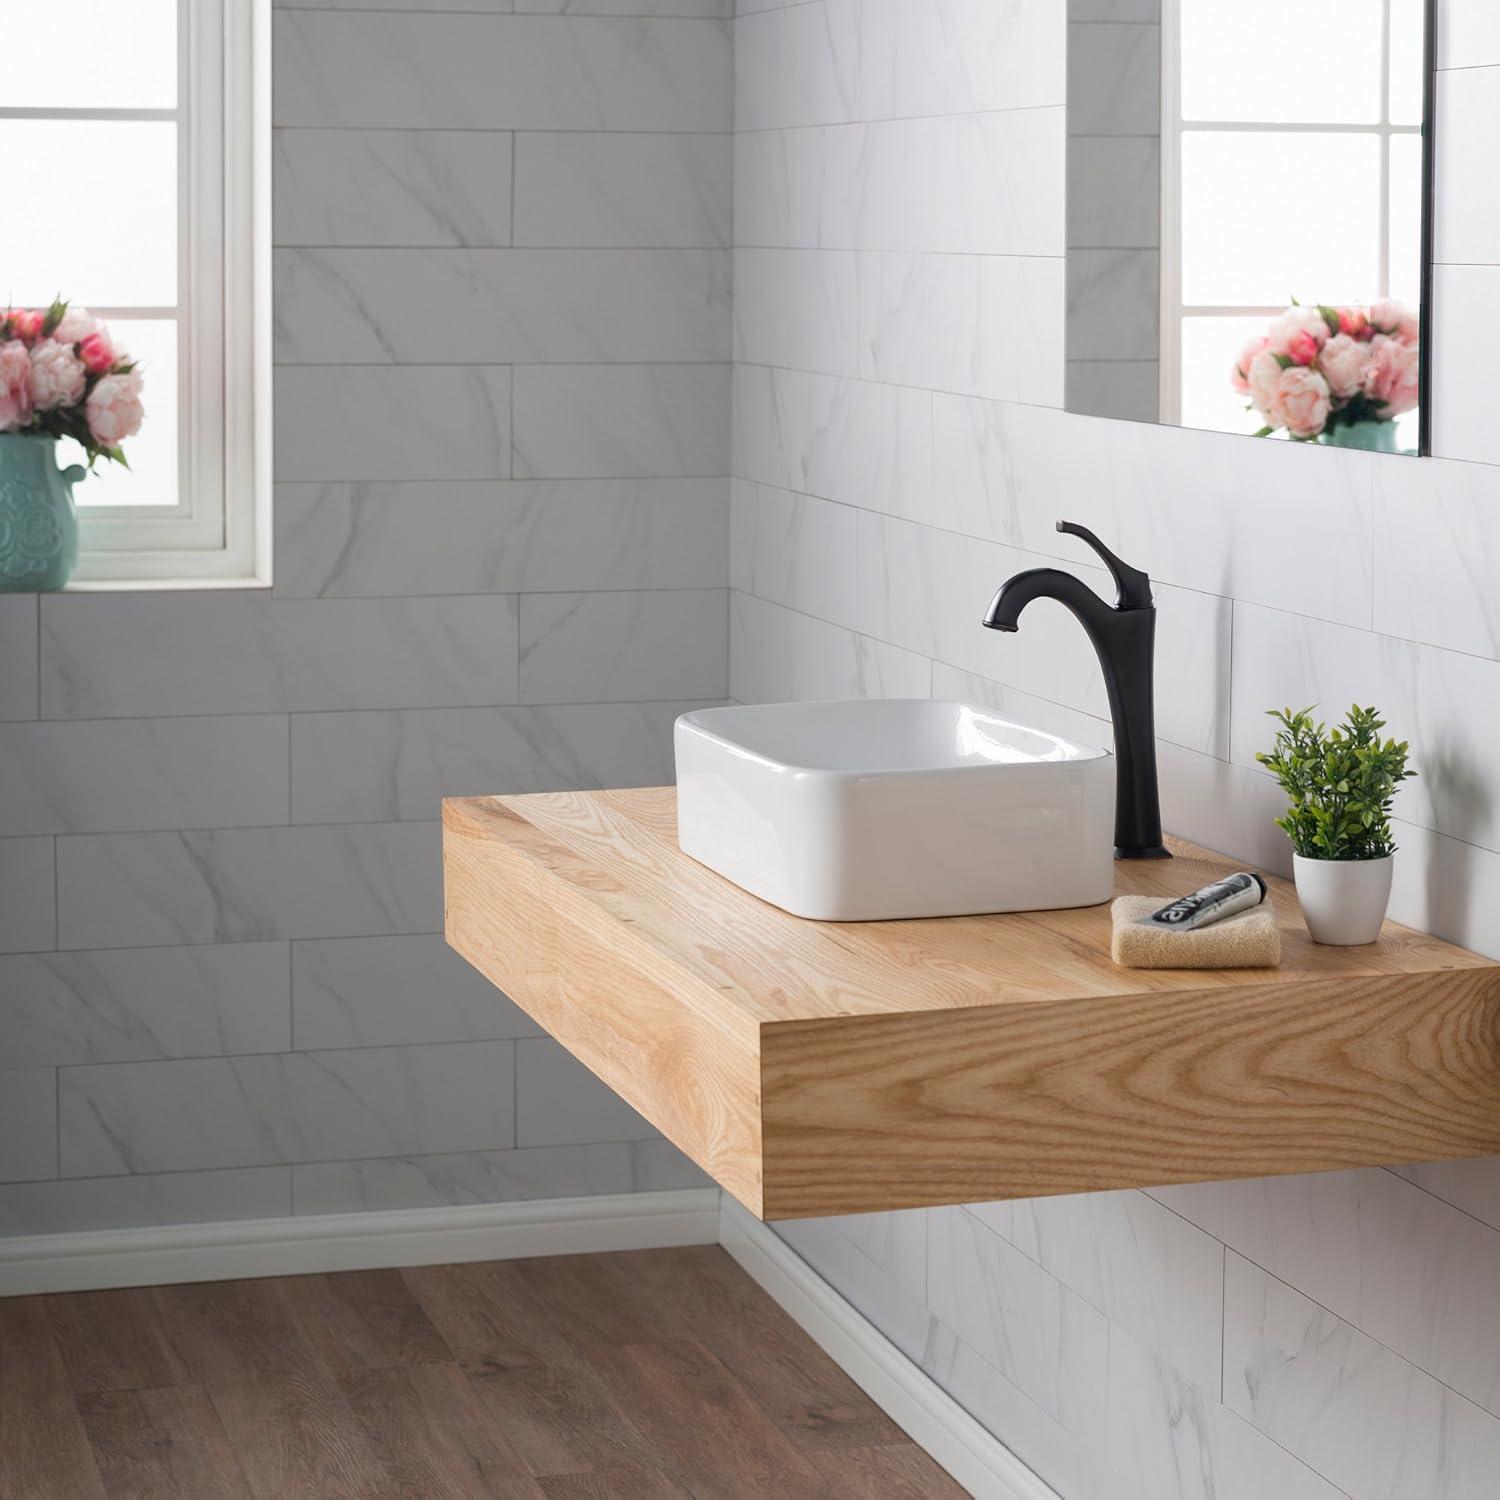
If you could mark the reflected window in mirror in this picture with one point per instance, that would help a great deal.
(1246, 203)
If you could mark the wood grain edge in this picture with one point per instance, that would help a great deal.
(690, 1067)
(872, 1113)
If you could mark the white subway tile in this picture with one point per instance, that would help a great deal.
(1446, 703)
(1114, 78)
(495, 307)
(1469, 36)
(1370, 1422)
(248, 884)
(472, 72)
(518, 536)
(777, 654)
(1143, 1267)
(797, 308)
(850, 440)
(391, 187)
(927, 590)
(621, 421)
(1170, 1440)
(588, 188)
(1413, 1272)
(423, 422)
(973, 325)
(385, 767)
(797, 65)
(391, 992)
(28, 915)
(901, 1316)
(116, 655)
(1465, 308)
(105, 776)
(560, 1103)
(794, 550)
(492, 1177)
(952, 56)
(28, 1124)
(1473, 1186)
(1203, 510)
(18, 691)
(1113, 297)
(120, 1005)
(304, 1106)
(66, 1207)
(1437, 546)
(1468, 218)
(1033, 1329)
(601, 648)
(1070, 1462)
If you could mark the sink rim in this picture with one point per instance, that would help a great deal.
(1078, 753)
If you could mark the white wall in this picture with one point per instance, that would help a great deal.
(897, 453)
(502, 339)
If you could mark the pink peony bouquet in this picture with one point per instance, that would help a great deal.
(63, 375)
(1317, 369)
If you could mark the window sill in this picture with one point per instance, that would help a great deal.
(159, 585)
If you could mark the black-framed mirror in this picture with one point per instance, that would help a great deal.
(1249, 216)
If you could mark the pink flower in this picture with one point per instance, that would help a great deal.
(1263, 378)
(1301, 404)
(1343, 364)
(57, 376)
(26, 323)
(1240, 377)
(1298, 334)
(76, 325)
(97, 353)
(1395, 319)
(15, 385)
(1352, 320)
(114, 408)
(1391, 379)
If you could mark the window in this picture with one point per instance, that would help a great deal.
(1281, 183)
(144, 178)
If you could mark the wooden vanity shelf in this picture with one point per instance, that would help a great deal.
(818, 1068)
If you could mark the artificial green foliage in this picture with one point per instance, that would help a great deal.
(1341, 783)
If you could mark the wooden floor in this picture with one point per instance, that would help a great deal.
(651, 1375)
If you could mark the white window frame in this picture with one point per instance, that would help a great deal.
(218, 532)
(1173, 127)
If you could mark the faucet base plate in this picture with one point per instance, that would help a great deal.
(1153, 851)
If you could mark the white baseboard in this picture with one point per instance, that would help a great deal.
(356, 1241)
(911, 1398)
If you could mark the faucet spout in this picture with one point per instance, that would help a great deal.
(1044, 583)
(1124, 638)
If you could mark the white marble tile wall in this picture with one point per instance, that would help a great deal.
(1312, 1337)
(503, 339)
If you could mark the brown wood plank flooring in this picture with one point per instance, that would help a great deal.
(648, 1375)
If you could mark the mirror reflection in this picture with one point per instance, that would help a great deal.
(1245, 216)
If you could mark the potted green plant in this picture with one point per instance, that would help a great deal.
(1341, 784)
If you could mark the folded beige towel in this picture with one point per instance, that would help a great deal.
(1250, 940)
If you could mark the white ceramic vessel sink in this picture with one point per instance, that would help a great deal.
(885, 808)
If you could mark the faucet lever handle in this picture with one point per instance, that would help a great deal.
(1134, 586)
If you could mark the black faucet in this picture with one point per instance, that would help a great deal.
(1124, 635)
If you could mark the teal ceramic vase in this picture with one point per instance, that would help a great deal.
(38, 524)
(1369, 437)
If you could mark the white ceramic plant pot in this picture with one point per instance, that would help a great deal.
(1343, 900)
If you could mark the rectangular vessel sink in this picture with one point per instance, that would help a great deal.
(876, 809)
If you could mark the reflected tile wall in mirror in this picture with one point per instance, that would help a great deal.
(1245, 231)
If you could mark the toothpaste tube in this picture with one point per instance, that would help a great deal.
(1235, 893)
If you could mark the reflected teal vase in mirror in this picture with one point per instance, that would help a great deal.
(1369, 437)
(38, 524)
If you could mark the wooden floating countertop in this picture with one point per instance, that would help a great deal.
(825, 1068)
